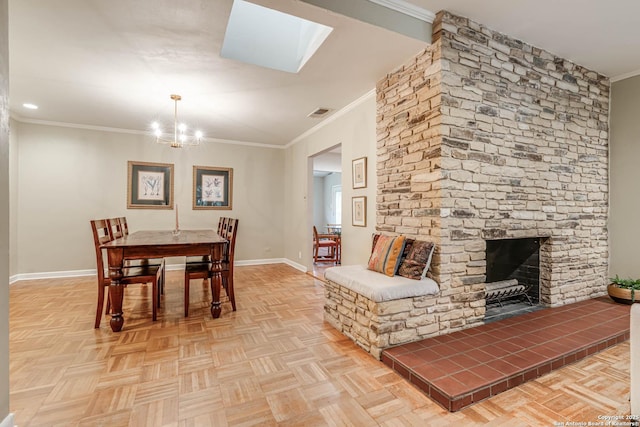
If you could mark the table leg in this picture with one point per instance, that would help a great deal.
(116, 295)
(217, 252)
(216, 284)
(116, 290)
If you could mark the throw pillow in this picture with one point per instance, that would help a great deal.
(385, 257)
(374, 240)
(418, 260)
(407, 248)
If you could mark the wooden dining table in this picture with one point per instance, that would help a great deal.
(162, 244)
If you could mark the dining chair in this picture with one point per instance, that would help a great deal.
(222, 230)
(328, 241)
(229, 260)
(222, 225)
(115, 228)
(124, 225)
(118, 228)
(142, 274)
(202, 270)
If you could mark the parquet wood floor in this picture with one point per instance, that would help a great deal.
(274, 362)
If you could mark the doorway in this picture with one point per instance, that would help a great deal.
(326, 203)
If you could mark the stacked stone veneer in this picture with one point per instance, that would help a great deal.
(482, 136)
(375, 326)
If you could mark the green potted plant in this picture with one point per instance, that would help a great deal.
(623, 290)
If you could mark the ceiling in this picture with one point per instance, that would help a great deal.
(94, 63)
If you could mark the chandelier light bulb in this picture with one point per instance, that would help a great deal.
(180, 138)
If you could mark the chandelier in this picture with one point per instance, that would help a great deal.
(180, 137)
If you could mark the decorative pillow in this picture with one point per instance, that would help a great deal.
(385, 257)
(407, 248)
(374, 240)
(418, 260)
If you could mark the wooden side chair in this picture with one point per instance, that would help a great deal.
(202, 270)
(222, 225)
(118, 228)
(115, 228)
(153, 274)
(222, 231)
(228, 262)
(330, 243)
(124, 225)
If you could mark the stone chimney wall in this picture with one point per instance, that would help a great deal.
(482, 136)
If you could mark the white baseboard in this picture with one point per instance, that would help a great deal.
(170, 267)
(51, 275)
(273, 261)
(8, 421)
(295, 265)
(259, 262)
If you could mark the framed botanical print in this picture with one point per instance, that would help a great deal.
(212, 187)
(359, 211)
(359, 172)
(149, 185)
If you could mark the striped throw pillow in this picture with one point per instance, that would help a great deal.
(385, 257)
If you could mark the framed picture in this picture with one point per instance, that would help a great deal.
(149, 185)
(359, 211)
(359, 172)
(212, 187)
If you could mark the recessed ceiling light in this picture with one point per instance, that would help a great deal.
(30, 106)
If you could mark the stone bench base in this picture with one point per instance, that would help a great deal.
(375, 326)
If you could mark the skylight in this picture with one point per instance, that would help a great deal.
(268, 38)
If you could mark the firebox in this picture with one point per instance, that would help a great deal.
(518, 259)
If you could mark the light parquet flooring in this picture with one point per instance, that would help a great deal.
(274, 362)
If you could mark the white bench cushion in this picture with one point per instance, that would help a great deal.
(378, 287)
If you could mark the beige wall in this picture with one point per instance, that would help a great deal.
(4, 212)
(67, 176)
(624, 229)
(13, 198)
(355, 130)
(62, 177)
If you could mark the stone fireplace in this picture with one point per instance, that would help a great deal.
(481, 138)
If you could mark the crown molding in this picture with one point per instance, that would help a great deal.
(624, 76)
(408, 9)
(22, 119)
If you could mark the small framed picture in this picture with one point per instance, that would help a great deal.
(359, 211)
(212, 187)
(359, 172)
(149, 185)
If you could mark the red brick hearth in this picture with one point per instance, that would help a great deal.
(465, 367)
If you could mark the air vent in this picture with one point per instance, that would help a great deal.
(318, 113)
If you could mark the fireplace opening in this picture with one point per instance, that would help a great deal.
(513, 277)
